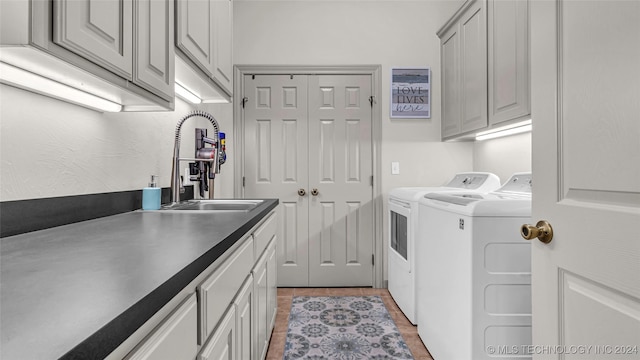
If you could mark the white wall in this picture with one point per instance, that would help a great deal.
(50, 148)
(389, 33)
(503, 156)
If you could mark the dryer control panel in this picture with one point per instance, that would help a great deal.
(475, 181)
(518, 183)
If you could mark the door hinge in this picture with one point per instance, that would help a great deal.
(371, 98)
(371, 180)
(243, 181)
(244, 101)
(373, 260)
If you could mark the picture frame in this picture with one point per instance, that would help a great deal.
(410, 93)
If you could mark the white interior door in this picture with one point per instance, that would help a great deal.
(340, 169)
(275, 163)
(586, 146)
(298, 142)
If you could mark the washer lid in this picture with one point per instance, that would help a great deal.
(472, 181)
(512, 199)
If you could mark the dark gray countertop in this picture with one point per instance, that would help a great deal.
(78, 291)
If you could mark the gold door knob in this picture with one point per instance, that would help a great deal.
(301, 192)
(314, 192)
(543, 231)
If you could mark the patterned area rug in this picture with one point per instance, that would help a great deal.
(342, 328)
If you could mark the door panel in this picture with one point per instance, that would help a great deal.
(586, 141)
(275, 140)
(450, 83)
(321, 141)
(194, 33)
(154, 46)
(100, 31)
(341, 214)
(473, 54)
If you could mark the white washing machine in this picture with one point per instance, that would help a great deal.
(403, 227)
(474, 273)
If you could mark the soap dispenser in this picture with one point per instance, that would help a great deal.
(151, 195)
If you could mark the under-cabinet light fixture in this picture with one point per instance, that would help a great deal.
(33, 82)
(187, 94)
(517, 128)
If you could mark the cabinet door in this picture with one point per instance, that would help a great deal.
(272, 286)
(100, 31)
(194, 29)
(155, 56)
(222, 344)
(219, 289)
(244, 320)
(260, 293)
(508, 60)
(450, 82)
(223, 43)
(473, 58)
(175, 338)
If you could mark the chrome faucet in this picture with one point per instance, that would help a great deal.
(214, 156)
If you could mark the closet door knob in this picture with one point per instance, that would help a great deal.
(302, 192)
(314, 192)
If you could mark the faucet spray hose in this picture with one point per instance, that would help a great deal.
(176, 185)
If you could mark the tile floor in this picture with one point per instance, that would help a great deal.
(285, 295)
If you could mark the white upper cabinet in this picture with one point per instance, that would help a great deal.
(121, 51)
(100, 31)
(485, 66)
(509, 87)
(194, 32)
(450, 55)
(473, 66)
(154, 41)
(204, 37)
(223, 44)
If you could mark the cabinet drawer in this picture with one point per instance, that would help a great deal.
(175, 338)
(264, 233)
(219, 289)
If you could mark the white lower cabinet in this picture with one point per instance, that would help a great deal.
(260, 293)
(228, 313)
(219, 289)
(222, 344)
(244, 320)
(175, 338)
(272, 286)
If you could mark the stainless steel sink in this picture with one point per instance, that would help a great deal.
(242, 205)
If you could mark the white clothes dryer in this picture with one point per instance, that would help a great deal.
(403, 227)
(474, 273)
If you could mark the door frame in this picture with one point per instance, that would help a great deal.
(376, 134)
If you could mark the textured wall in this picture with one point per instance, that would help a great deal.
(50, 148)
(503, 156)
(390, 33)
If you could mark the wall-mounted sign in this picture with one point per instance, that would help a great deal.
(411, 93)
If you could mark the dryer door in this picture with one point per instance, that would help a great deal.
(399, 243)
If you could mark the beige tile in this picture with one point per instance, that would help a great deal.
(276, 346)
(311, 292)
(284, 301)
(285, 291)
(372, 291)
(415, 344)
(344, 292)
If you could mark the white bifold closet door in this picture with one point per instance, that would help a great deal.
(307, 141)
